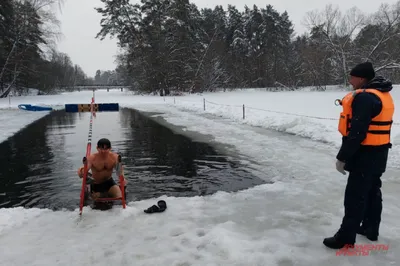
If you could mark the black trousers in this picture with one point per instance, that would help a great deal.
(362, 203)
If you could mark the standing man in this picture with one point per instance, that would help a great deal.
(365, 124)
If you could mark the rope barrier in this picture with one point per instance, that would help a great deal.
(240, 106)
(286, 113)
(264, 110)
(88, 149)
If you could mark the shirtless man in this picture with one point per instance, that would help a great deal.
(102, 165)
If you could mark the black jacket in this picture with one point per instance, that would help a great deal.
(365, 106)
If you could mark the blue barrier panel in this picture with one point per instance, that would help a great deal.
(98, 107)
(104, 107)
(71, 108)
(35, 108)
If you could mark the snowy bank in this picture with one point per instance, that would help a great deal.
(12, 121)
(277, 224)
(305, 113)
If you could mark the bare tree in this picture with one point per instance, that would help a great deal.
(338, 31)
(26, 11)
(388, 21)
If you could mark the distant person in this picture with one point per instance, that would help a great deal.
(102, 165)
(365, 124)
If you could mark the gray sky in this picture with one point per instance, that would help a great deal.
(80, 24)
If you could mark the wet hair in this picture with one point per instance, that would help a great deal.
(104, 143)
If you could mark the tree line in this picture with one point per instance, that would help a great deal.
(174, 45)
(108, 77)
(28, 57)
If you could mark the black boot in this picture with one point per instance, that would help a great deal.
(368, 233)
(335, 242)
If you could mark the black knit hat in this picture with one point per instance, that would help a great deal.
(363, 70)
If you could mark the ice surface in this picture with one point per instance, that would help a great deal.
(274, 224)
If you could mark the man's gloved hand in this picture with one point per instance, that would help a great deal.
(340, 167)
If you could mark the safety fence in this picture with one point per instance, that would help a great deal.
(204, 104)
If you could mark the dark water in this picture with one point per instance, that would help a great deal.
(38, 164)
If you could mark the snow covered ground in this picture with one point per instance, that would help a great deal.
(274, 224)
(12, 121)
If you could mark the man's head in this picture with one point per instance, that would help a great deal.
(361, 74)
(103, 146)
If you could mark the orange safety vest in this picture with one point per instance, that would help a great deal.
(379, 129)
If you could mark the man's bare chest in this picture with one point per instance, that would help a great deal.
(103, 165)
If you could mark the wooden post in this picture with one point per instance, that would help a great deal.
(204, 104)
(243, 112)
(174, 100)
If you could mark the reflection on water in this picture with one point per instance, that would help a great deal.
(39, 163)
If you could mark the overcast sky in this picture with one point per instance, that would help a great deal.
(80, 24)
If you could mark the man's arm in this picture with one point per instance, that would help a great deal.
(119, 167)
(89, 162)
(362, 113)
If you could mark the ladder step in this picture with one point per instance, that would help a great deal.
(108, 199)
